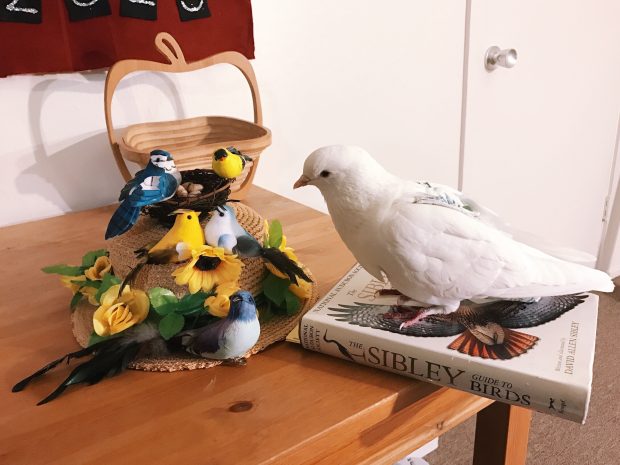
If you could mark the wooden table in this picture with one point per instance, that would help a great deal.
(304, 407)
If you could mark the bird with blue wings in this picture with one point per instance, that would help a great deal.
(223, 230)
(229, 338)
(155, 183)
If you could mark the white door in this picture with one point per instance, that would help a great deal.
(539, 137)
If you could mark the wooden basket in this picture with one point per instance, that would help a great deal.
(191, 141)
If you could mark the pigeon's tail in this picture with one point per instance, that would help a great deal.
(284, 264)
(552, 277)
(122, 220)
(110, 357)
(514, 343)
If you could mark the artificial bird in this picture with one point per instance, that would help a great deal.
(185, 235)
(223, 230)
(436, 246)
(228, 338)
(228, 163)
(155, 183)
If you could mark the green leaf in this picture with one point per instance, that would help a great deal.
(95, 338)
(192, 303)
(107, 282)
(64, 270)
(90, 258)
(75, 300)
(163, 300)
(275, 234)
(170, 325)
(292, 303)
(266, 312)
(89, 283)
(275, 289)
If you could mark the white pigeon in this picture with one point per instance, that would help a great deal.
(434, 245)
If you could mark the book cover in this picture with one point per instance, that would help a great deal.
(534, 355)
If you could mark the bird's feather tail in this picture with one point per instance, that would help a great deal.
(110, 358)
(122, 220)
(105, 363)
(131, 276)
(515, 343)
(284, 264)
(77, 354)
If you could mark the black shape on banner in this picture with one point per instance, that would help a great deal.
(20, 11)
(141, 9)
(193, 9)
(86, 9)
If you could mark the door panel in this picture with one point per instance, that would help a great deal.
(539, 137)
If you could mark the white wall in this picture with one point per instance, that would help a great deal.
(388, 79)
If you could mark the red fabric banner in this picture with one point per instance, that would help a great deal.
(60, 45)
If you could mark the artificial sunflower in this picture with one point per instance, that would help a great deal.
(219, 304)
(208, 267)
(302, 289)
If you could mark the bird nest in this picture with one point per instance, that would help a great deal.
(214, 193)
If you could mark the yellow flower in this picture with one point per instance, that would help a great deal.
(208, 267)
(119, 312)
(289, 252)
(102, 266)
(67, 281)
(219, 305)
(302, 289)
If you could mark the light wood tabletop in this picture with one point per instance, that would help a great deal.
(287, 406)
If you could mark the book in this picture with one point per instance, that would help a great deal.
(541, 358)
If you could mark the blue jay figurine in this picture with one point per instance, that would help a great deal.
(223, 230)
(229, 338)
(155, 183)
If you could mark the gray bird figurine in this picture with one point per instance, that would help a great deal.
(223, 230)
(230, 337)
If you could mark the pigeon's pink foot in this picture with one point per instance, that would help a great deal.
(412, 321)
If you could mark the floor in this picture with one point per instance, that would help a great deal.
(554, 441)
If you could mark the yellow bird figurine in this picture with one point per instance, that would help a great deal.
(186, 234)
(176, 245)
(228, 163)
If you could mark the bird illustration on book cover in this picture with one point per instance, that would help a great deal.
(487, 331)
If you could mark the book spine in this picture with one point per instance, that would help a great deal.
(496, 382)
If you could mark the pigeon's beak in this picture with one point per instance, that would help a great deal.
(301, 182)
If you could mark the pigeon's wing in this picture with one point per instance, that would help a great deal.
(525, 315)
(373, 316)
(452, 197)
(438, 254)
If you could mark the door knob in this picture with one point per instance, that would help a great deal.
(495, 57)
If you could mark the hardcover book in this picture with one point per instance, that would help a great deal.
(537, 355)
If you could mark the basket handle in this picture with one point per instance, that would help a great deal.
(169, 47)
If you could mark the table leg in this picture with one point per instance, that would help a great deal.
(502, 431)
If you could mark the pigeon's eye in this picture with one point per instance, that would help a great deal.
(189, 217)
(325, 173)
